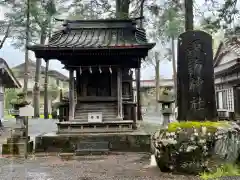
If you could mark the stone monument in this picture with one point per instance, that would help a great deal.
(195, 81)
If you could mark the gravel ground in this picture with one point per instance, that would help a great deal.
(124, 166)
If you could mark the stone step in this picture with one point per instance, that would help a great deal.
(92, 148)
(105, 112)
(103, 115)
(84, 152)
(16, 148)
(97, 106)
(17, 139)
(95, 110)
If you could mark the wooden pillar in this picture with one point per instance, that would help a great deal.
(139, 112)
(119, 93)
(236, 96)
(46, 116)
(71, 94)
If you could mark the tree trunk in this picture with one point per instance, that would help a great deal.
(122, 9)
(188, 15)
(174, 67)
(157, 79)
(46, 115)
(36, 89)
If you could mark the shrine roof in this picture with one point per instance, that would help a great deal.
(7, 77)
(97, 34)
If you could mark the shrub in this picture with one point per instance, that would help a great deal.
(194, 147)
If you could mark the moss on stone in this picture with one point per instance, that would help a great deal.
(211, 126)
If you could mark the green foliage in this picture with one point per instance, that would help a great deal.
(19, 101)
(41, 16)
(173, 127)
(9, 95)
(223, 171)
(226, 17)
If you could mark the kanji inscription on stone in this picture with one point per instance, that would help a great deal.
(195, 83)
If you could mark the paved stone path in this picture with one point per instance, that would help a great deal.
(125, 166)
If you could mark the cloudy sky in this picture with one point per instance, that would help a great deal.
(15, 56)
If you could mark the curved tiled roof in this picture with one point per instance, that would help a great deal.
(98, 34)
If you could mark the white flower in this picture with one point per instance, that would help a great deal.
(205, 147)
(195, 134)
(209, 134)
(194, 130)
(191, 148)
(168, 141)
(204, 130)
(172, 133)
(192, 138)
(202, 141)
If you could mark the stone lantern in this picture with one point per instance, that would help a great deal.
(166, 99)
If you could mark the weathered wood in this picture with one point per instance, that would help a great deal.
(196, 99)
(138, 76)
(71, 94)
(119, 93)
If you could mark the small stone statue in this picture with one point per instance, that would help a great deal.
(166, 98)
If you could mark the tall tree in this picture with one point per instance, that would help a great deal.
(41, 15)
(172, 23)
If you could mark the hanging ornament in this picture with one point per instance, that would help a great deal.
(80, 70)
(110, 69)
(90, 69)
(100, 70)
(129, 72)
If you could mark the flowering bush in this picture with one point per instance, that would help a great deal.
(195, 147)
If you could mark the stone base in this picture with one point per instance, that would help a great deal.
(16, 148)
(136, 141)
(76, 127)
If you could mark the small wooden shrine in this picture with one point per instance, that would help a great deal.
(7, 80)
(103, 54)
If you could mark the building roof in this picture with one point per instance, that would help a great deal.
(51, 73)
(57, 75)
(227, 57)
(227, 45)
(30, 63)
(8, 78)
(97, 34)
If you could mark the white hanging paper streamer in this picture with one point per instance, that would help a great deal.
(90, 69)
(100, 70)
(110, 69)
(80, 70)
(129, 72)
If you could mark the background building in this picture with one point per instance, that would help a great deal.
(56, 81)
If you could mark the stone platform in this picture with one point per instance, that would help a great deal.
(136, 141)
(76, 127)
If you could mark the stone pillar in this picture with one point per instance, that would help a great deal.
(119, 93)
(71, 94)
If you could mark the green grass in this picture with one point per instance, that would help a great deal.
(223, 171)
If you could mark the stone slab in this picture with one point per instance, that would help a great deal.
(84, 152)
(137, 141)
(16, 148)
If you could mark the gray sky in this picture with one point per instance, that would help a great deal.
(15, 56)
